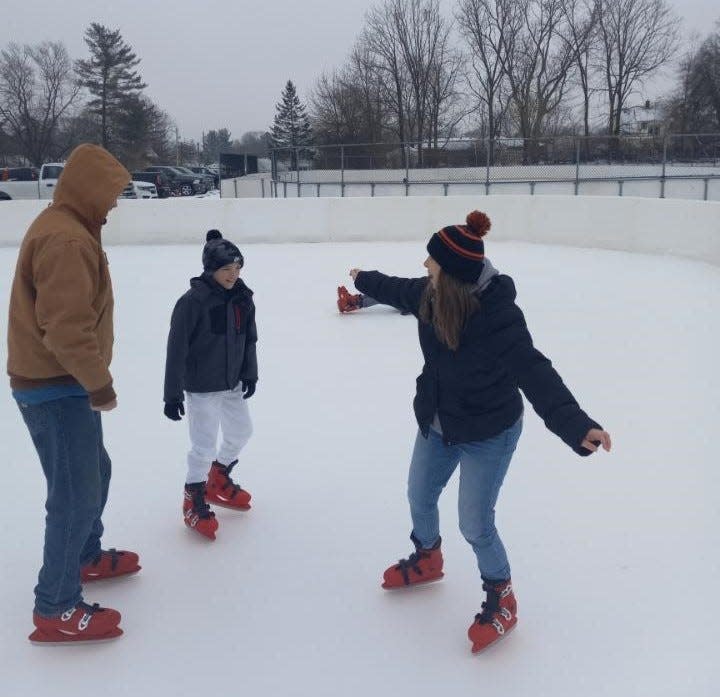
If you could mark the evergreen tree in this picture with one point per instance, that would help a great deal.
(109, 75)
(291, 128)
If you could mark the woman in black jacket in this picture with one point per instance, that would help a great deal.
(478, 356)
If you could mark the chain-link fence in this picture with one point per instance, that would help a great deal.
(557, 164)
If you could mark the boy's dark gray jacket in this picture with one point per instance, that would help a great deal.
(474, 390)
(211, 345)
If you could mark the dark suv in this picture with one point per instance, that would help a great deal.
(18, 174)
(186, 184)
(162, 183)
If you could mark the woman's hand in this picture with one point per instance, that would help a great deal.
(595, 438)
(354, 273)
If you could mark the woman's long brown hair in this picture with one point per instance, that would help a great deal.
(448, 307)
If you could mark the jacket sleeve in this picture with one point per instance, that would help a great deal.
(178, 346)
(403, 294)
(249, 370)
(511, 344)
(66, 277)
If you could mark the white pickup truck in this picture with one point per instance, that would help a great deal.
(42, 187)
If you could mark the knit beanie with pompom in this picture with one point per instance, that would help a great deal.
(459, 249)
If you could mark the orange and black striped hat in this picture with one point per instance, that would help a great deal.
(459, 249)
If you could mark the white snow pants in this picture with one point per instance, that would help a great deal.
(207, 413)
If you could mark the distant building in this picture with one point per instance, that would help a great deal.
(645, 119)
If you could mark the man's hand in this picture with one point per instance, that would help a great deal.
(248, 388)
(354, 273)
(108, 406)
(595, 438)
(174, 410)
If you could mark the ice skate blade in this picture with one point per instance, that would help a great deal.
(206, 536)
(89, 578)
(482, 649)
(222, 504)
(40, 638)
(412, 585)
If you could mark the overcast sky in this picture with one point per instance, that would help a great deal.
(223, 63)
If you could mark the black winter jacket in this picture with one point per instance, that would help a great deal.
(474, 390)
(211, 345)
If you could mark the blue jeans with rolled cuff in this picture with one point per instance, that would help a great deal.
(483, 465)
(68, 437)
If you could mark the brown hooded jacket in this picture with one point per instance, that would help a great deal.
(60, 329)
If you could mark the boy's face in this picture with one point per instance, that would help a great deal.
(227, 275)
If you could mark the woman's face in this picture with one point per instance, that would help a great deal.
(433, 270)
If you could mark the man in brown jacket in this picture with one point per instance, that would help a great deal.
(60, 337)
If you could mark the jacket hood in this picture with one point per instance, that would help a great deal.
(90, 184)
(486, 275)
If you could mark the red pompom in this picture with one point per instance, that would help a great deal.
(478, 222)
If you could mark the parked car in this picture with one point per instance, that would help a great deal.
(136, 189)
(160, 180)
(41, 187)
(204, 171)
(186, 184)
(19, 174)
(207, 180)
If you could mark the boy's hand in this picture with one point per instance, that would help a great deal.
(174, 410)
(248, 388)
(354, 273)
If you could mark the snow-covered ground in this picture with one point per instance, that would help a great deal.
(614, 557)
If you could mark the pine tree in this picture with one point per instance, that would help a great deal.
(108, 75)
(291, 128)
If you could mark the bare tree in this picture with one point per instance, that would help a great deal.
(347, 105)
(582, 37)
(489, 28)
(637, 38)
(380, 37)
(444, 112)
(538, 64)
(36, 92)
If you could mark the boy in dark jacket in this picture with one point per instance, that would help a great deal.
(211, 356)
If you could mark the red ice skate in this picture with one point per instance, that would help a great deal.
(347, 302)
(422, 566)
(197, 513)
(81, 623)
(223, 491)
(498, 616)
(109, 564)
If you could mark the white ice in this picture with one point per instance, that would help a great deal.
(615, 557)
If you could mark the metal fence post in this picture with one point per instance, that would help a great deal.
(297, 171)
(262, 186)
(664, 163)
(577, 165)
(235, 186)
(487, 166)
(342, 170)
(407, 168)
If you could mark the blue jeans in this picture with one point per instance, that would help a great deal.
(67, 435)
(483, 465)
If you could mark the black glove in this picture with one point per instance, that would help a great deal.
(174, 410)
(248, 388)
